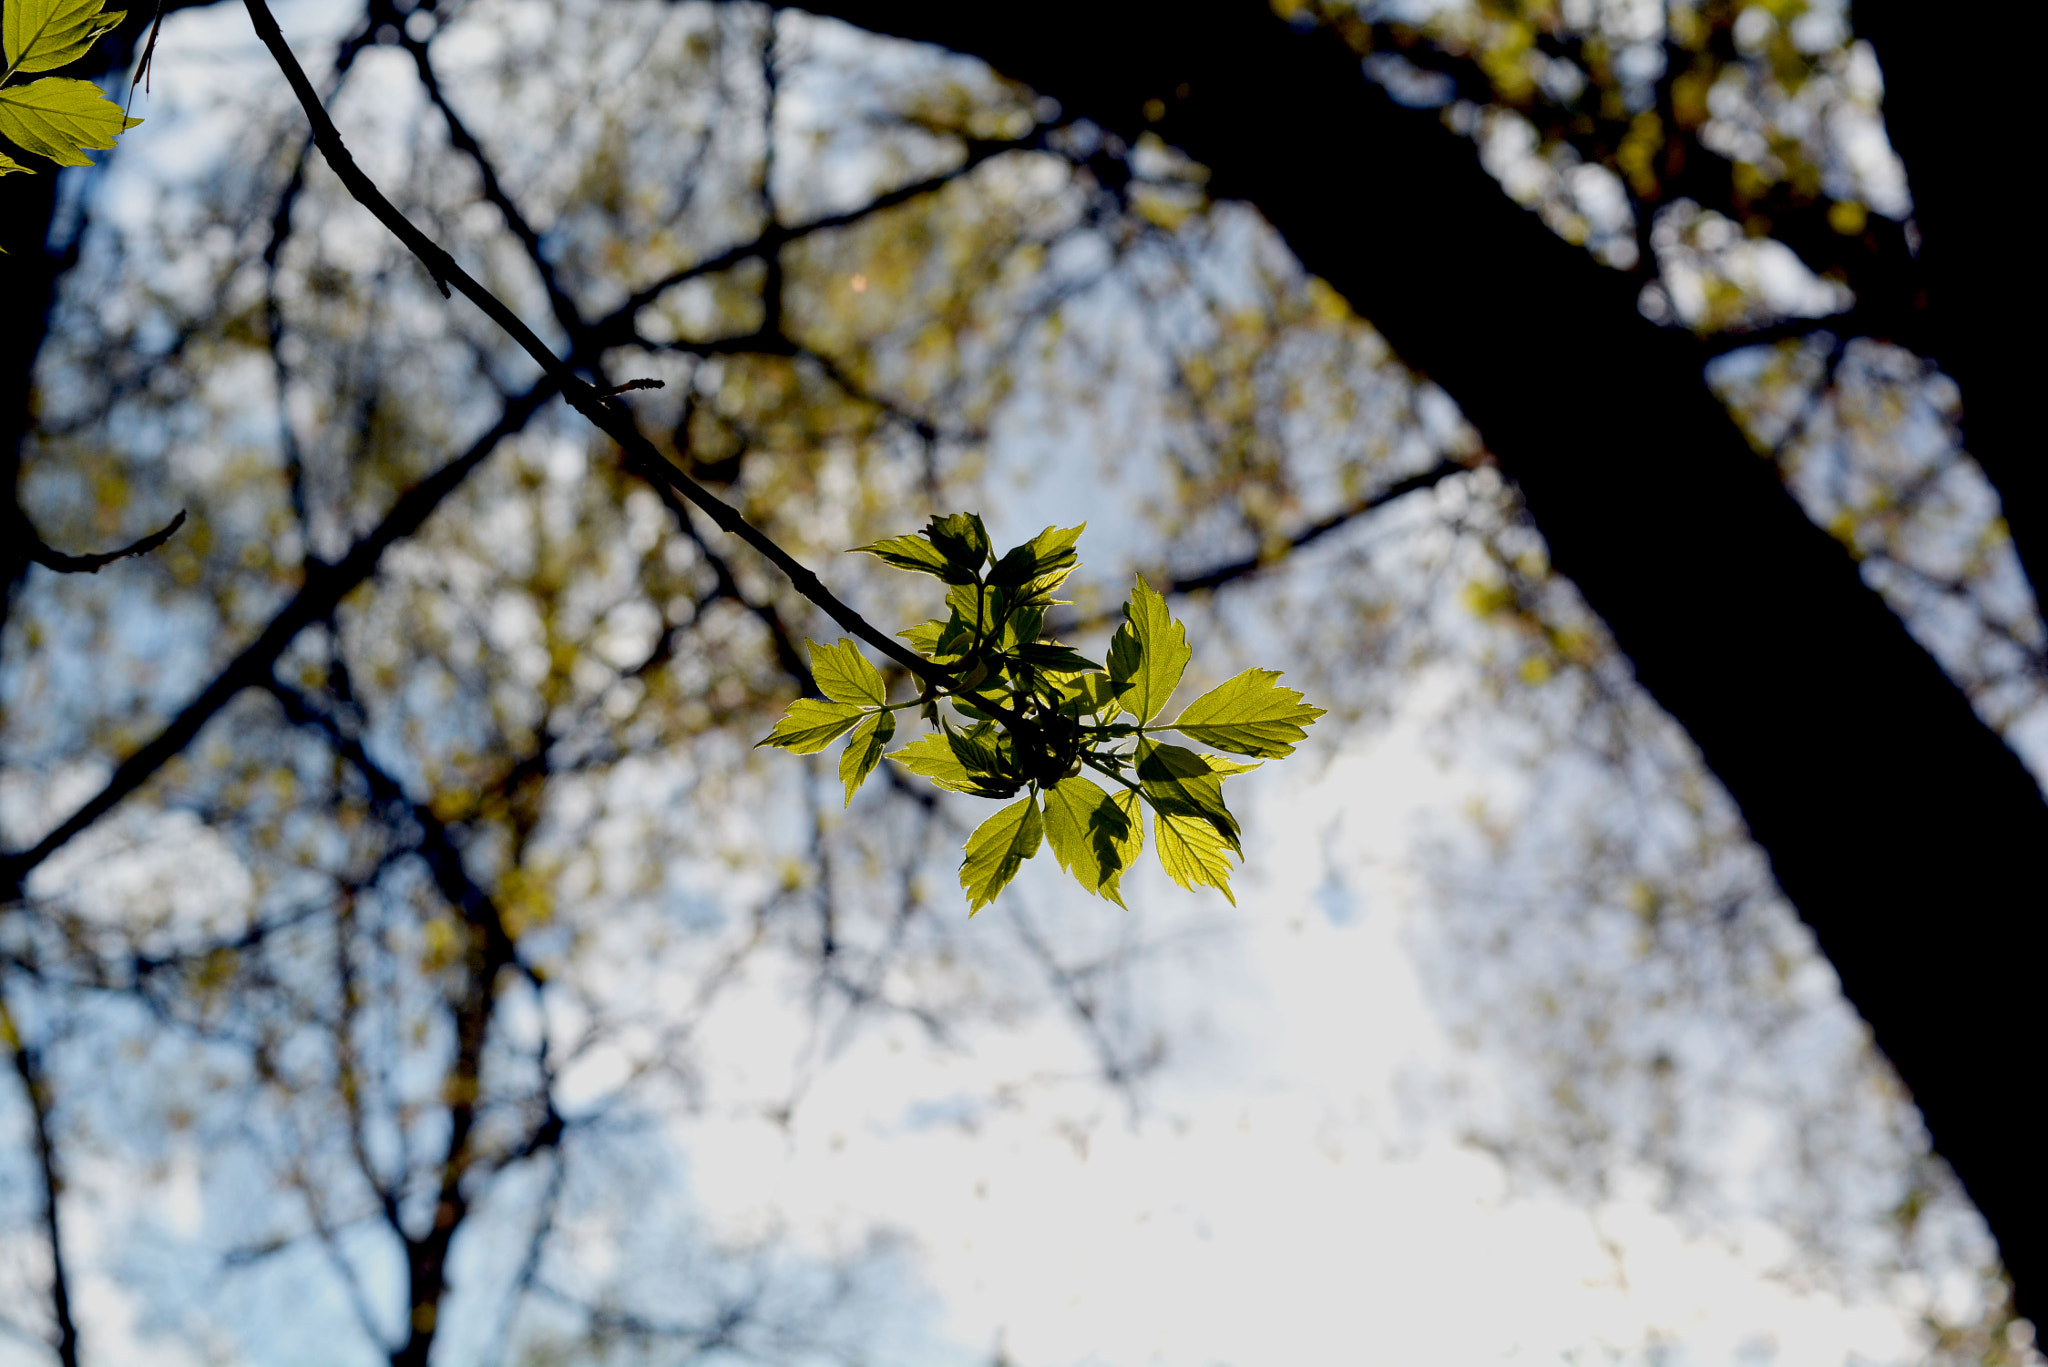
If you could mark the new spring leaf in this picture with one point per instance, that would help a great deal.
(1037, 714)
(1250, 715)
(997, 849)
(42, 35)
(59, 118)
(1148, 654)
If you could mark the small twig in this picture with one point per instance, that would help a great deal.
(143, 67)
(41, 553)
(619, 389)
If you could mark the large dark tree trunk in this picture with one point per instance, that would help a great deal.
(1956, 117)
(1907, 834)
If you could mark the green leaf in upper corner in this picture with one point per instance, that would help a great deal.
(1054, 656)
(1094, 835)
(42, 35)
(1251, 715)
(57, 118)
(1049, 554)
(931, 756)
(864, 750)
(844, 674)
(962, 540)
(1086, 694)
(1192, 852)
(997, 849)
(1179, 782)
(810, 725)
(1148, 654)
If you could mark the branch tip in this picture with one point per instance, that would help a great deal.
(43, 554)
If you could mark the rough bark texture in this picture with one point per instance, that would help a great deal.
(1907, 834)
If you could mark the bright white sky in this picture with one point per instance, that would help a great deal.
(1272, 1207)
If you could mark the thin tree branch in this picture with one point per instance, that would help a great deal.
(1357, 508)
(979, 150)
(28, 1067)
(1219, 575)
(40, 552)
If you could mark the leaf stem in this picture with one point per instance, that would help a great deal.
(1092, 762)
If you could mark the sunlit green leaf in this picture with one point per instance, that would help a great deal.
(980, 609)
(864, 750)
(1086, 694)
(1127, 850)
(997, 849)
(962, 540)
(57, 118)
(1181, 782)
(1020, 627)
(1052, 655)
(916, 554)
(931, 756)
(810, 725)
(1192, 852)
(9, 164)
(844, 674)
(1250, 715)
(924, 637)
(1148, 653)
(980, 751)
(42, 35)
(1093, 835)
(1049, 554)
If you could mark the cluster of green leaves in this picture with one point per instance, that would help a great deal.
(1022, 713)
(56, 117)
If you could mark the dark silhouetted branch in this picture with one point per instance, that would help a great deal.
(36, 1089)
(1315, 531)
(41, 554)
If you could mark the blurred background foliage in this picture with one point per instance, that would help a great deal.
(425, 941)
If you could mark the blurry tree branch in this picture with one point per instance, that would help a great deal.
(43, 555)
(35, 1089)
